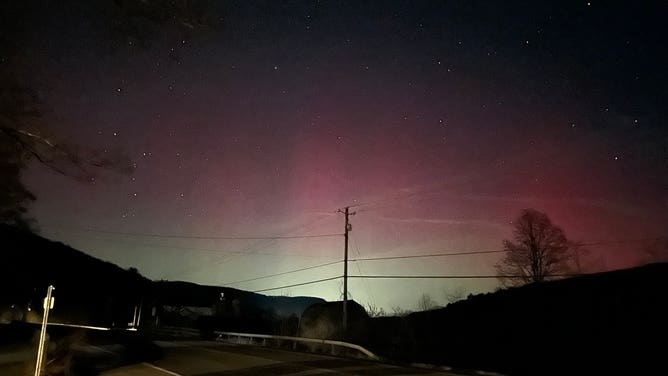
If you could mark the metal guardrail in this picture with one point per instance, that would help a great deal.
(265, 340)
(176, 331)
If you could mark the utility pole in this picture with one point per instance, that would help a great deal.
(348, 228)
(48, 304)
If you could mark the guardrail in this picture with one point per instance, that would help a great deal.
(175, 331)
(298, 343)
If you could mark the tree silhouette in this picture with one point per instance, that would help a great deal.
(425, 303)
(374, 310)
(400, 312)
(539, 249)
(24, 132)
(23, 138)
(455, 294)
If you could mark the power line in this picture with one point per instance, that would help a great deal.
(621, 241)
(454, 276)
(216, 237)
(299, 284)
(359, 269)
(170, 236)
(430, 255)
(284, 273)
(481, 252)
(209, 250)
(254, 248)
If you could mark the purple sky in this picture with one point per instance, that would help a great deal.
(440, 121)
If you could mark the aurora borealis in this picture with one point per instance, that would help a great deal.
(438, 121)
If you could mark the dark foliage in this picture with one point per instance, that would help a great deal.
(596, 324)
(94, 292)
(325, 320)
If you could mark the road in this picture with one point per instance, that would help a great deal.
(216, 359)
(203, 358)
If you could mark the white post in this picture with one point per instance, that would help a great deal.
(48, 301)
(141, 305)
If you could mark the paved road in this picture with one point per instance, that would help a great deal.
(215, 359)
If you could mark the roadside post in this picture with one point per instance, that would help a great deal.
(48, 305)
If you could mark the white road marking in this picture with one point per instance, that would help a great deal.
(161, 369)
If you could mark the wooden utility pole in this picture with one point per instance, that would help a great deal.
(348, 228)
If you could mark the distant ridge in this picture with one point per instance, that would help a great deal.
(96, 292)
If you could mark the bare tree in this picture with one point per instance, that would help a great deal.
(454, 295)
(398, 311)
(539, 249)
(426, 303)
(374, 311)
(23, 138)
(25, 135)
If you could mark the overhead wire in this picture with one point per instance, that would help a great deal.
(454, 276)
(252, 249)
(359, 269)
(198, 249)
(284, 273)
(481, 252)
(429, 255)
(299, 284)
(202, 237)
(270, 239)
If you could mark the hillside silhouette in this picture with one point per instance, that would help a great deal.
(90, 291)
(600, 323)
(605, 322)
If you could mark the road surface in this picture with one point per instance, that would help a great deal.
(203, 358)
(216, 359)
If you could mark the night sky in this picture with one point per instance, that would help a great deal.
(437, 120)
